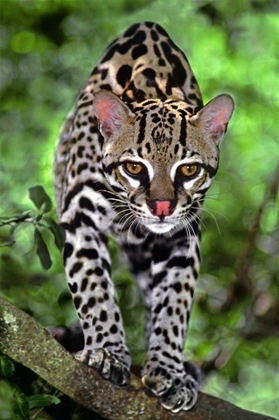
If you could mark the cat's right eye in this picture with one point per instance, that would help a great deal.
(189, 171)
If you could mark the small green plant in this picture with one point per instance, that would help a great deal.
(40, 219)
(15, 404)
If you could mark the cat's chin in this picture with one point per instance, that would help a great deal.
(160, 227)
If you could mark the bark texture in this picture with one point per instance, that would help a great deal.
(27, 342)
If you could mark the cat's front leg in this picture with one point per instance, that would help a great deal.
(87, 264)
(174, 271)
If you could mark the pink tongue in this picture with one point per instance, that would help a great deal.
(162, 208)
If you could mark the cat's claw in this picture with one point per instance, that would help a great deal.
(106, 364)
(174, 394)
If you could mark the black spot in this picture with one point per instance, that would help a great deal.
(179, 72)
(104, 285)
(117, 317)
(99, 338)
(81, 219)
(149, 73)
(80, 151)
(75, 269)
(105, 86)
(175, 330)
(103, 73)
(71, 195)
(89, 272)
(131, 30)
(106, 265)
(99, 271)
(191, 291)
(81, 135)
(77, 301)
(84, 283)
(158, 308)
(113, 329)
(158, 331)
(108, 56)
(68, 250)
(89, 253)
(101, 209)
(89, 341)
(179, 262)
(177, 287)
(169, 310)
(124, 75)
(161, 30)
(91, 302)
(138, 51)
(157, 279)
(154, 35)
(166, 302)
(103, 316)
(93, 286)
(99, 328)
(169, 356)
(84, 309)
(85, 203)
(73, 287)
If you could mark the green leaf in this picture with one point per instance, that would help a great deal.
(42, 250)
(21, 406)
(6, 367)
(42, 400)
(40, 198)
(58, 233)
(8, 243)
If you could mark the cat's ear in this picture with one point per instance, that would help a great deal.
(214, 117)
(111, 113)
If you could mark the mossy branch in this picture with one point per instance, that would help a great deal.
(27, 342)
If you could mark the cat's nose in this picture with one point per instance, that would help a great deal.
(161, 207)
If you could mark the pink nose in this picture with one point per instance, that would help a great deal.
(160, 208)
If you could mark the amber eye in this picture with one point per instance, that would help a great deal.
(189, 170)
(133, 168)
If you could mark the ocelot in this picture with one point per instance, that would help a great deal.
(135, 158)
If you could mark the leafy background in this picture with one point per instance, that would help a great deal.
(48, 49)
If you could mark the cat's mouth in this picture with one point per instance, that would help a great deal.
(160, 226)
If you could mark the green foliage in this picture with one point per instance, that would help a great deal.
(14, 403)
(39, 221)
(48, 50)
(6, 367)
(42, 400)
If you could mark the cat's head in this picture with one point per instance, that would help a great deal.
(159, 158)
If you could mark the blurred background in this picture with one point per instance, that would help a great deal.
(48, 49)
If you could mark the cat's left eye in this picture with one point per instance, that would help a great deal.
(133, 168)
(189, 170)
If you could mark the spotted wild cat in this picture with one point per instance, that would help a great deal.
(135, 159)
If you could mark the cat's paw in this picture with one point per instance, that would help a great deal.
(174, 394)
(107, 364)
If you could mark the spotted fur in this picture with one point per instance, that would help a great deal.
(135, 158)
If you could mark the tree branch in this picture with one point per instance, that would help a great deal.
(27, 342)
